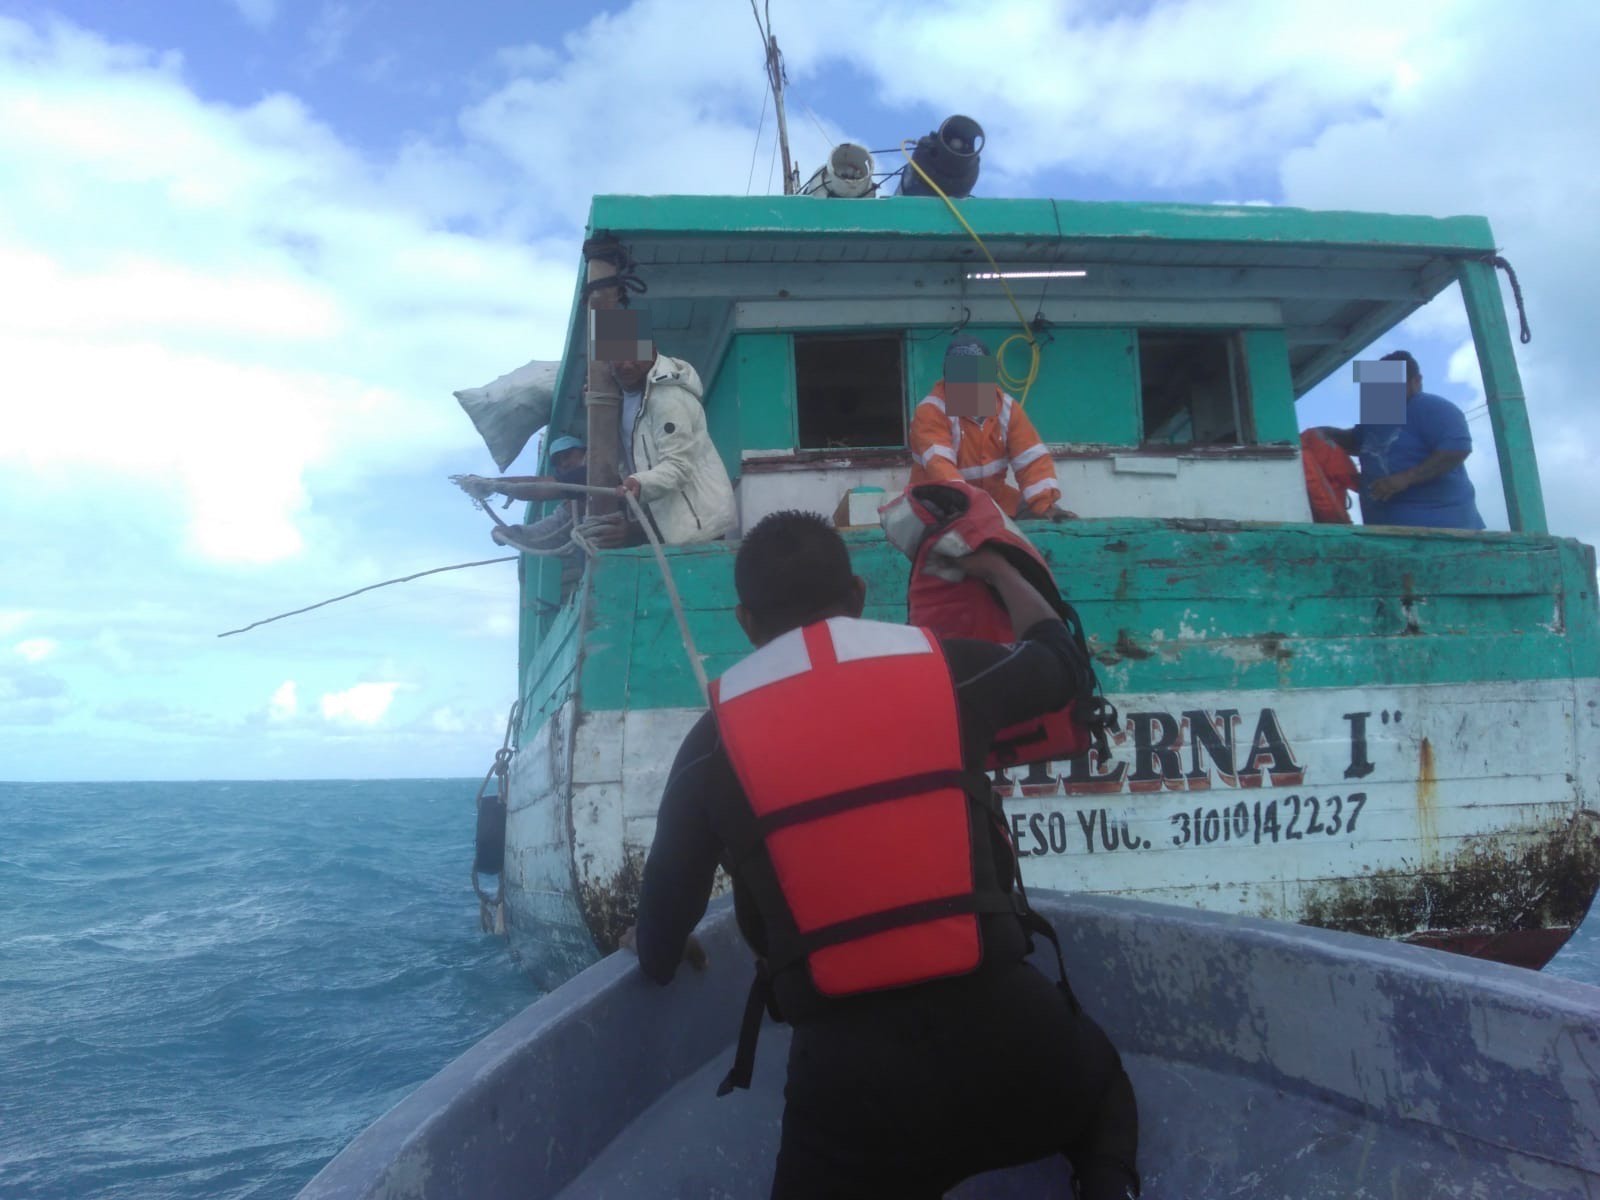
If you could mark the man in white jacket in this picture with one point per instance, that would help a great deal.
(668, 460)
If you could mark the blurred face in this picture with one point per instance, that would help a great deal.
(630, 375)
(969, 386)
(620, 338)
(568, 460)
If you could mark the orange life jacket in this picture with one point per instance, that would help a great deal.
(1330, 478)
(938, 523)
(845, 736)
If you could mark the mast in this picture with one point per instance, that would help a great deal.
(775, 74)
(769, 44)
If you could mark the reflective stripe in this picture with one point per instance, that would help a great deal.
(1005, 415)
(933, 400)
(955, 433)
(854, 639)
(1031, 454)
(998, 467)
(933, 452)
(782, 658)
(1035, 489)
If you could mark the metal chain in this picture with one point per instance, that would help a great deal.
(491, 909)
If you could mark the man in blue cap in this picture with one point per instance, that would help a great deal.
(568, 458)
(568, 463)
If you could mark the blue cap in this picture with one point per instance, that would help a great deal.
(966, 347)
(566, 442)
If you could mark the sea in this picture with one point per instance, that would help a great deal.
(207, 989)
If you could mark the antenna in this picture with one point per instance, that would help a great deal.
(775, 80)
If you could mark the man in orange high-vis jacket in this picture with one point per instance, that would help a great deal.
(967, 428)
(926, 1048)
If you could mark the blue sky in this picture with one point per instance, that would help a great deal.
(249, 247)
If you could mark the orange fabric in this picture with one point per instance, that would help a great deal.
(820, 732)
(1330, 478)
(946, 448)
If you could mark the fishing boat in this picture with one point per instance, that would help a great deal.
(1391, 731)
(1270, 1060)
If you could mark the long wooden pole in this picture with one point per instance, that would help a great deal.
(603, 402)
(775, 72)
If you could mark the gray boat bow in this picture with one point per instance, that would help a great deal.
(1270, 1060)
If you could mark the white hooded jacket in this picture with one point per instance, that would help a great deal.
(682, 481)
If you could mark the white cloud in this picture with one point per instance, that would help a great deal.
(36, 649)
(1471, 131)
(260, 13)
(13, 619)
(363, 704)
(285, 702)
(447, 720)
(210, 303)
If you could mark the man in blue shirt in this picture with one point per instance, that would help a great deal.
(1413, 474)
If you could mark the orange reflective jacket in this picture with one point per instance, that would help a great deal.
(948, 448)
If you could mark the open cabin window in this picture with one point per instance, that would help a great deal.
(850, 391)
(1193, 390)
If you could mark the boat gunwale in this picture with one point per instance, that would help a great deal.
(1229, 966)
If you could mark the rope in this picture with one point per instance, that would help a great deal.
(582, 533)
(1012, 383)
(1495, 260)
(482, 562)
(761, 123)
(605, 248)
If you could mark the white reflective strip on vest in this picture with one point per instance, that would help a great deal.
(933, 452)
(955, 433)
(1005, 415)
(854, 640)
(933, 400)
(998, 467)
(1036, 489)
(1031, 454)
(784, 657)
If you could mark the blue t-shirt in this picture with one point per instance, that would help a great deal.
(1448, 502)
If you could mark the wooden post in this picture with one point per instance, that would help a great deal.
(1502, 389)
(603, 404)
(775, 75)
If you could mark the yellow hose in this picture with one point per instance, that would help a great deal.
(1021, 384)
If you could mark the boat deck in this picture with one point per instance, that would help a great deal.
(1202, 1133)
(1268, 1060)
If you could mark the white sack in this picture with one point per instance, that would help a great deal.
(508, 411)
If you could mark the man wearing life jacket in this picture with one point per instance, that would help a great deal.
(968, 428)
(838, 778)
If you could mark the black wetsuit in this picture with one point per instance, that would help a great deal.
(904, 1093)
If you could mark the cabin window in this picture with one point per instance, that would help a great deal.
(850, 391)
(1192, 389)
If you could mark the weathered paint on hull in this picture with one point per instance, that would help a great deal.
(1273, 680)
(1457, 816)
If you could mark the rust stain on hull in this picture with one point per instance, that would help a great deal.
(1493, 888)
(1427, 794)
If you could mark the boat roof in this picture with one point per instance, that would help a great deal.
(1340, 279)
